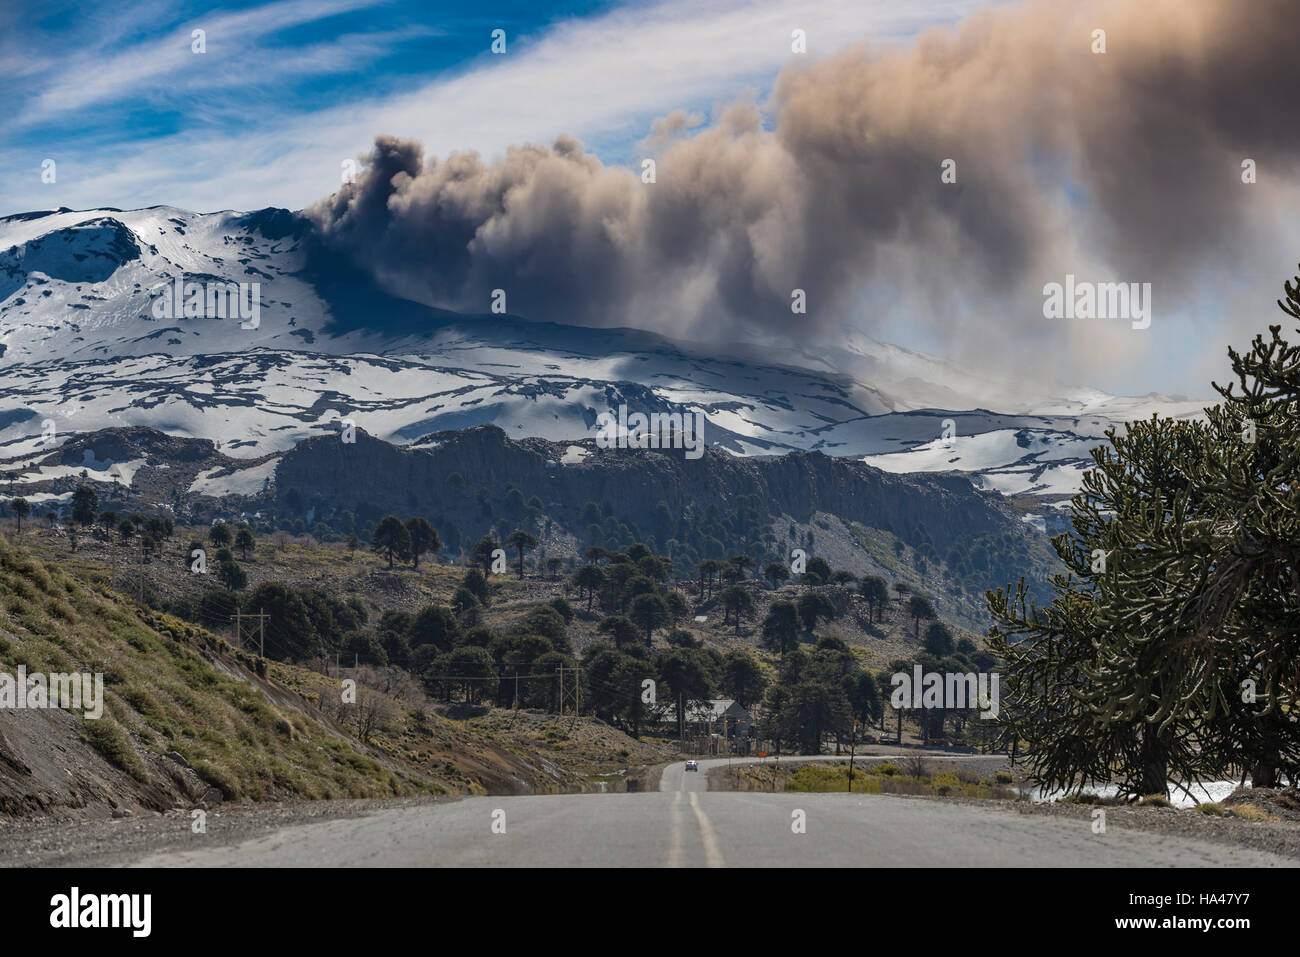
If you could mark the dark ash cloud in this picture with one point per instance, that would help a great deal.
(1124, 165)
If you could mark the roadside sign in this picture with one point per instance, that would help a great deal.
(762, 754)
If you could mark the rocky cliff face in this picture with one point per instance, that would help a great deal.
(404, 480)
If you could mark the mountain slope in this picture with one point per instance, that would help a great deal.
(82, 347)
(190, 721)
(170, 689)
(371, 474)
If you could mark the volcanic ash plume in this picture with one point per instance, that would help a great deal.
(1128, 161)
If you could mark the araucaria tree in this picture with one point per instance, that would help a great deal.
(423, 536)
(781, 627)
(1171, 649)
(391, 539)
(649, 612)
(589, 578)
(521, 541)
(245, 542)
(85, 505)
(21, 509)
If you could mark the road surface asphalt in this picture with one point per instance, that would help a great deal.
(685, 825)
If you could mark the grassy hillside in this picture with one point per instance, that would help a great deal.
(190, 720)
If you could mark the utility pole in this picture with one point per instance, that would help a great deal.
(561, 691)
(261, 617)
(516, 691)
(853, 747)
(577, 695)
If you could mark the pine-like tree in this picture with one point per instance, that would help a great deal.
(424, 538)
(1170, 648)
(391, 539)
(521, 541)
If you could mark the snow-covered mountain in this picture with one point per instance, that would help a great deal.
(85, 345)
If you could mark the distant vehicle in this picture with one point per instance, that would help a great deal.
(692, 766)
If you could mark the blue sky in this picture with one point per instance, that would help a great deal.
(287, 90)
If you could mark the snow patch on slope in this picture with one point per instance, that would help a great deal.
(221, 481)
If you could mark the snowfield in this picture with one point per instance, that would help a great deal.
(80, 345)
(219, 482)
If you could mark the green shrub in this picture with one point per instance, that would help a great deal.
(142, 701)
(1081, 797)
(1249, 812)
(818, 777)
(219, 778)
(112, 742)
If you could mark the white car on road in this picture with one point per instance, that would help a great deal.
(692, 766)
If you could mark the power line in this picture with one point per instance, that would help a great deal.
(261, 617)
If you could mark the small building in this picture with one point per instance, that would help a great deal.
(728, 717)
(723, 717)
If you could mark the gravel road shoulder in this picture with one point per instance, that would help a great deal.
(110, 843)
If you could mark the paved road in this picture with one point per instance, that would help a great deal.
(690, 828)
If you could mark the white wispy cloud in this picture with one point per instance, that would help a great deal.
(603, 79)
(108, 70)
